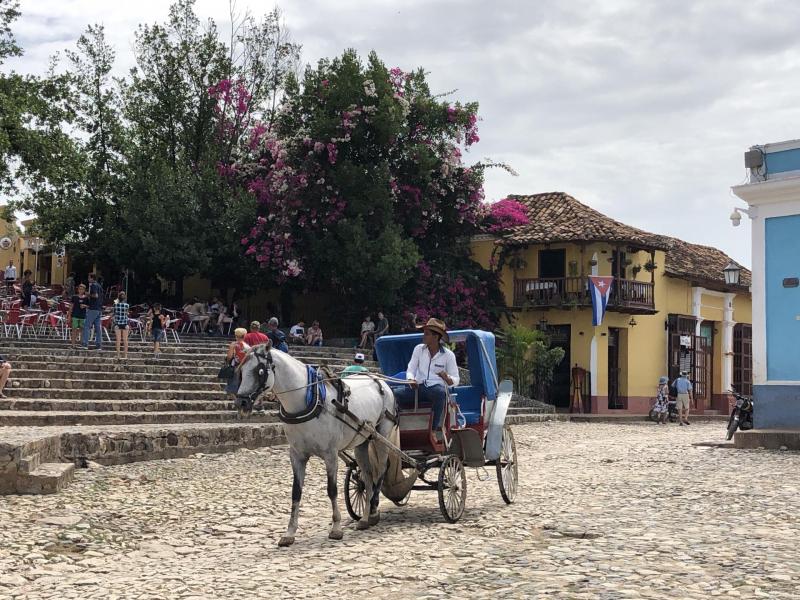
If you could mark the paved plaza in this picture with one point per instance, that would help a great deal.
(604, 511)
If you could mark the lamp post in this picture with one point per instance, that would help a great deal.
(36, 246)
(732, 272)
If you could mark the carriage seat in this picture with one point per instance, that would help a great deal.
(469, 401)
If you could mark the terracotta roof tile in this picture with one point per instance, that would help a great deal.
(700, 262)
(558, 217)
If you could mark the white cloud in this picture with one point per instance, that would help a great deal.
(640, 108)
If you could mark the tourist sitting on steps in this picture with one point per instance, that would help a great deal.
(432, 367)
(297, 334)
(356, 367)
(314, 335)
(276, 336)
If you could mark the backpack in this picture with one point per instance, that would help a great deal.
(673, 390)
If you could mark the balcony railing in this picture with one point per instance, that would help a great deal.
(566, 292)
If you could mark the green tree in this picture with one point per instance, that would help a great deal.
(143, 189)
(526, 357)
(360, 178)
(33, 148)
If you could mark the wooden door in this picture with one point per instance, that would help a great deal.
(743, 358)
(614, 401)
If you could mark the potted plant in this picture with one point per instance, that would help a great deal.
(635, 269)
(573, 268)
(650, 266)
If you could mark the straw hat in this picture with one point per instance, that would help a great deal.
(436, 326)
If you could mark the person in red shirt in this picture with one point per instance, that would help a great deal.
(255, 337)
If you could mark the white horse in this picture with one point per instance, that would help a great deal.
(313, 429)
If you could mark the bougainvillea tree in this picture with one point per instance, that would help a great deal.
(362, 189)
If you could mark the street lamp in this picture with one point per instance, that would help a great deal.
(543, 324)
(36, 245)
(731, 273)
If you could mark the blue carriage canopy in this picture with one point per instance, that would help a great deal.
(394, 352)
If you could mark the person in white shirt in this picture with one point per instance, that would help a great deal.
(432, 367)
(10, 275)
(297, 334)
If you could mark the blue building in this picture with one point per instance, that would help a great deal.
(773, 195)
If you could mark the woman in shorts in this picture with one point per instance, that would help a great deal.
(121, 310)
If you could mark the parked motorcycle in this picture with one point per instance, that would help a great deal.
(741, 414)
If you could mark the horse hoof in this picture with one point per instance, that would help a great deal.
(362, 524)
(336, 534)
(286, 541)
(374, 519)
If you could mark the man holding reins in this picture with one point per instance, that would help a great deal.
(432, 367)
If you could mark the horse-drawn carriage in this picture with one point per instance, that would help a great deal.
(474, 430)
(388, 449)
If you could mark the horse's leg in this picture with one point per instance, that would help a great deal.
(298, 477)
(382, 463)
(332, 469)
(362, 458)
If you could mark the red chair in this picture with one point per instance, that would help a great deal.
(173, 325)
(43, 304)
(15, 321)
(105, 325)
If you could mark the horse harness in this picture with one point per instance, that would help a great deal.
(316, 394)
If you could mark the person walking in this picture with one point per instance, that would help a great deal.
(94, 312)
(237, 350)
(685, 396)
(255, 337)
(160, 319)
(5, 373)
(77, 314)
(662, 401)
(121, 310)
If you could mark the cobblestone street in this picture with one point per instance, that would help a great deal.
(604, 511)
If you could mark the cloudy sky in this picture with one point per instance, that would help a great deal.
(639, 108)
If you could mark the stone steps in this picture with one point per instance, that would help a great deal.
(39, 418)
(47, 478)
(105, 394)
(113, 404)
(121, 382)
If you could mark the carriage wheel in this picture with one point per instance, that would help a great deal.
(452, 488)
(355, 493)
(507, 466)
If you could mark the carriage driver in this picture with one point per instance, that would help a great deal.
(431, 368)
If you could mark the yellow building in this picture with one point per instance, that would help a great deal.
(48, 264)
(670, 308)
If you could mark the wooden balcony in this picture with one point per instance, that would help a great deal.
(567, 292)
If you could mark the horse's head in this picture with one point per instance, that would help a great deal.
(258, 373)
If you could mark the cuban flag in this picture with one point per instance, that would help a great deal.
(600, 288)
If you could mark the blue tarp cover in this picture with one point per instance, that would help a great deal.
(394, 352)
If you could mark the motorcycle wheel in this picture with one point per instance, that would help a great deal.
(653, 415)
(733, 424)
(673, 417)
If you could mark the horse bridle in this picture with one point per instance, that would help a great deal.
(264, 369)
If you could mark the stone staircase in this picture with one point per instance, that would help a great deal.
(79, 406)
